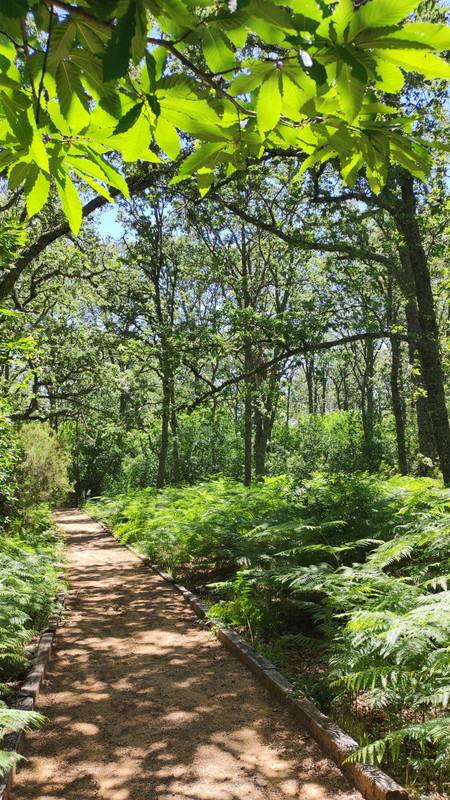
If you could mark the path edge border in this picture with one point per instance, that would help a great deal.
(29, 692)
(372, 782)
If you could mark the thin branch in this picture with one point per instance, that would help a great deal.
(305, 348)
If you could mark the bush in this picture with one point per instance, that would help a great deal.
(42, 472)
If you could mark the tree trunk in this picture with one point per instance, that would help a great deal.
(309, 374)
(397, 407)
(425, 434)
(164, 448)
(248, 417)
(367, 404)
(174, 430)
(264, 420)
(428, 342)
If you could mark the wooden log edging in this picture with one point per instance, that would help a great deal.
(372, 782)
(28, 694)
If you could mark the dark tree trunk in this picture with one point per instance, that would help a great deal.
(367, 404)
(164, 448)
(428, 342)
(264, 420)
(174, 430)
(397, 406)
(425, 434)
(324, 391)
(248, 418)
(309, 374)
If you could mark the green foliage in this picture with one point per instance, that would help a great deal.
(11, 720)
(30, 561)
(211, 523)
(354, 566)
(42, 472)
(76, 86)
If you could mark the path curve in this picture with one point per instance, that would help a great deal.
(144, 704)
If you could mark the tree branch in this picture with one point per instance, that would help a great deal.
(305, 348)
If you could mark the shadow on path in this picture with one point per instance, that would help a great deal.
(144, 703)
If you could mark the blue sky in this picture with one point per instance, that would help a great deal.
(108, 224)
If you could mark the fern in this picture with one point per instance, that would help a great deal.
(354, 566)
(12, 720)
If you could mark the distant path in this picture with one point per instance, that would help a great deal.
(143, 704)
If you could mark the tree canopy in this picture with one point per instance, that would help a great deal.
(83, 82)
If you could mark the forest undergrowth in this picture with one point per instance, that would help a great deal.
(341, 581)
(30, 562)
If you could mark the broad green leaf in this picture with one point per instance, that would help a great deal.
(269, 102)
(177, 12)
(17, 120)
(38, 152)
(92, 75)
(113, 178)
(207, 155)
(139, 41)
(167, 138)
(350, 171)
(90, 39)
(205, 179)
(136, 139)
(342, 142)
(373, 179)
(72, 98)
(17, 174)
(436, 37)
(389, 77)
(54, 112)
(191, 123)
(129, 119)
(350, 56)
(62, 38)
(309, 8)
(322, 155)
(351, 92)
(37, 187)
(238, 37)
(268, 32)
(149, 155)
(341, 18)
(15, 8)
(97, 187)
(70, 200)
(417, 61)
(192, 106)
(118, 51)
(245, 83)
(148, 74)
(217, 50)
(293, 98)
(271, 13)
(9, 83)
(378, 13)
(83, 165)
(378, 108)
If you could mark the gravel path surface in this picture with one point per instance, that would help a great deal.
(144, 704)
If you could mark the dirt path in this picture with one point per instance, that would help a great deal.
(144, 704)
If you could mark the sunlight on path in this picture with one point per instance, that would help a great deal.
(144, 703)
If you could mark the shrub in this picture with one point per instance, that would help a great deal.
(42, 472)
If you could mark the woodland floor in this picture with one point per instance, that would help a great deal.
(144, 704)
